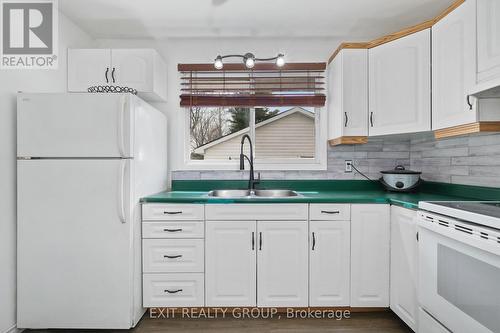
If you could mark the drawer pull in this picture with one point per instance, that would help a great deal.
(173, 291)
(330, 212)
(172, 257)
(172, 230)
(172, 213)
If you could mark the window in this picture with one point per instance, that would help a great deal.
(281, 109)
(282, 136)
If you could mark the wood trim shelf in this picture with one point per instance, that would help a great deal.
(483, 126)
(348, 140)
(396, 35)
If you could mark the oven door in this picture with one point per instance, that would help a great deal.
(459, 274)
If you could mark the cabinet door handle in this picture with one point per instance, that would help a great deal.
(330, 211)
(346, 119)
(260, 241)
(371, 119)
(172, 213)
(314, 241)
(172, 291)
(253, 240)
(469, 103)
(172, 230)
(172, 257)
(106, 74)
(113, 74)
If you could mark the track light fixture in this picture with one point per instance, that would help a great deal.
(249, 60)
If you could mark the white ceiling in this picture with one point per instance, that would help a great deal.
(160, 19)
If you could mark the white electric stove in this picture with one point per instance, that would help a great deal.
(459, 267)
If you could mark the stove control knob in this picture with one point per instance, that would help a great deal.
(400, 185)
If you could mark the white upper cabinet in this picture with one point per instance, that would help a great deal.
(329, 273)
(282, 274)
(404, 265)
(140, 69)
(231, 267)
(88, 67)
(348, 94)
(454, 67)
(488, 39)
(400, 85)
(370, 255)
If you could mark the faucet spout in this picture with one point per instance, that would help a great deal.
(251, 178)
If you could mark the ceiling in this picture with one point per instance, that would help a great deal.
(160, 19)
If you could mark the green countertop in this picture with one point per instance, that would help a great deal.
(330, 191)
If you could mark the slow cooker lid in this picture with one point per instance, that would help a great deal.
(400, 170)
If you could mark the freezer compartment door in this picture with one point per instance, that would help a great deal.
(75, 252)
(74, 125)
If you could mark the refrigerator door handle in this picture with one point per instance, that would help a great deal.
(121, 121)
(121, 194)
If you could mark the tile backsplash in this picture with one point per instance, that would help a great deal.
(469, 160)
(370, 158)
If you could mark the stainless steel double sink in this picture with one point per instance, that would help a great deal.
(252, 193)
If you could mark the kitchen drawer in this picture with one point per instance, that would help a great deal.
(329, 212)
(174, 229)
(173, 255)
(173, 290)
(172, 212)
(252, 212)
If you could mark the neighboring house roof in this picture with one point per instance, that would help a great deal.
(201, 149)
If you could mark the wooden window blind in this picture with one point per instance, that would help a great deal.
(295, 84)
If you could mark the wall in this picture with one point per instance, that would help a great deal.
(12, 81)
(193, 50)
(470, 160)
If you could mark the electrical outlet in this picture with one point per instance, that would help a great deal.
(348, 166)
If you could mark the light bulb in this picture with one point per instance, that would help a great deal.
(249, 60)
(218, 63)
(280, 60)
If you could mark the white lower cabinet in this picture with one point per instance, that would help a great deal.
(341, 257)
(370, 232)
(231, 266)
(404, 265)
(329, 257)
(256, 263)
(282, 278)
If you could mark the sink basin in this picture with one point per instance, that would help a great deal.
(275, 193)
(229, 193)
(256, 193)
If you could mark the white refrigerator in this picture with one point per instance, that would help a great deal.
(84, 161)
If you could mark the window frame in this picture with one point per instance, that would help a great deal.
(318, 163)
